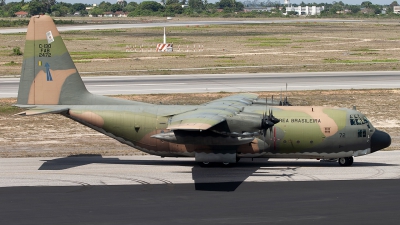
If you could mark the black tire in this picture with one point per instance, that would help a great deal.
(227, 164)
(347, 161)
(204, 164)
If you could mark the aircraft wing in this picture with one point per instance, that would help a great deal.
(238, 100)
(38, 110)
(211, 113)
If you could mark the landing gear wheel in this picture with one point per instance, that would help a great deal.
(348, 161)
(204, 164)
(226, 164)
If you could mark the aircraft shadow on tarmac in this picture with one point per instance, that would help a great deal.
(214, 178)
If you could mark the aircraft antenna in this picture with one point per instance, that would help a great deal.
(285, 101)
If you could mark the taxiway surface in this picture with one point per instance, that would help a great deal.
(148, 170)
(150, 190)
(238, 82)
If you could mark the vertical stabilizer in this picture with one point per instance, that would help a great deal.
(48, 76)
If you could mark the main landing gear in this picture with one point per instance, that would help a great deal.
(347, 161)
(224, 164)
(209, 164)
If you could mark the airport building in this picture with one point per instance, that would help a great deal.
(396, 9)
(304, 10)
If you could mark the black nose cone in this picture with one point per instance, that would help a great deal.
(380, 140)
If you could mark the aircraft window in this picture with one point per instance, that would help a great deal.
(362, 133)
(284, 141)
(298, 142)
(311, 142)
(358, 120)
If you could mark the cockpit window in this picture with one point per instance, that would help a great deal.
(352, 120)
(356, 119)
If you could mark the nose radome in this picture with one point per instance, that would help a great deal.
(380, 140)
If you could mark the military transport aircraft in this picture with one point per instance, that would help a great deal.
(222, 131)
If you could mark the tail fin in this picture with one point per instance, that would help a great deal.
(48, 76)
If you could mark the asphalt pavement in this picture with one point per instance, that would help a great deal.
(238, 82)
(177, 23)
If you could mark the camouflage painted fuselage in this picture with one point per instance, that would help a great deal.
(303, 132)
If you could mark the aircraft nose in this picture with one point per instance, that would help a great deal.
(380, 140)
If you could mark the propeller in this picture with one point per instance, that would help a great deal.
(268, 121)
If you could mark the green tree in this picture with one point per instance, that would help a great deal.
(150, 6)
(122, 3)
(36, 7)
(61, 9)
(226, 4)
(96, 11)
(335, 8)
(48, 4)
(116, 7)
(78, 7)
(173, 9)
(239, 6)
(196, 5)
(15, 8)
(354, 8)
(366, 4)
(132, 6)
(170, 2)
(105, 6)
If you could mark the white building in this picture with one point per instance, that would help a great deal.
(306, 11)
(396, 9)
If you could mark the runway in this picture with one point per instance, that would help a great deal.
(151, 190)
(178, 23)
(239, 82)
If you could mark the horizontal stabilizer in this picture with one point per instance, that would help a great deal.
(42, 110)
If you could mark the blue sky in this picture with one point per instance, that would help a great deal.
(353, 2)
